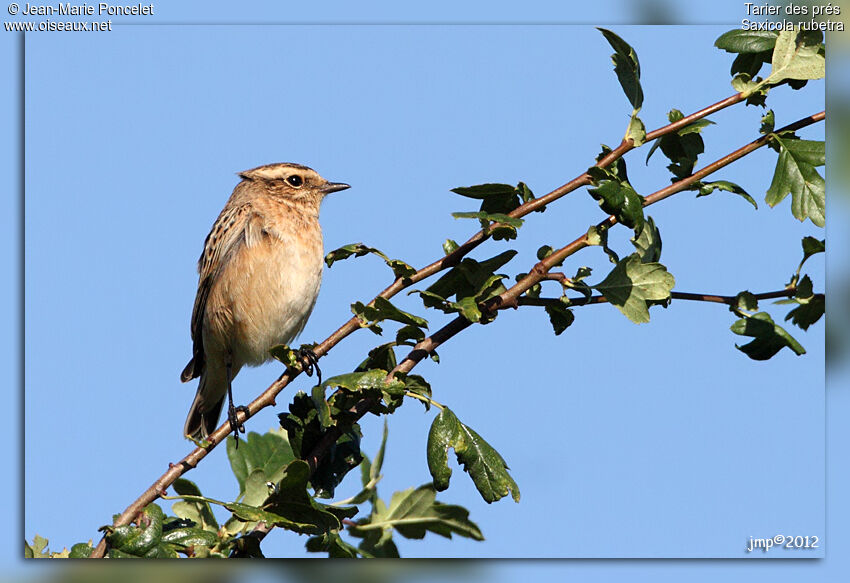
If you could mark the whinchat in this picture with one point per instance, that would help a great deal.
(260, 273)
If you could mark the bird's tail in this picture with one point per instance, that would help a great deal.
(206, 408)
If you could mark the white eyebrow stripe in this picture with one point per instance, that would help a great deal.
(274, 171)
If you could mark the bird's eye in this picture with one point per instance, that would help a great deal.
(295, 180)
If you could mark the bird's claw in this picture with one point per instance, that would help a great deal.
(310, 361)
(235, 425)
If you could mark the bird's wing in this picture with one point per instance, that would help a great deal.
(228, 234)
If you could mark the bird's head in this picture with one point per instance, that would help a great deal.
(292, 181)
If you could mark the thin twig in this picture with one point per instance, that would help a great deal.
(599, 299)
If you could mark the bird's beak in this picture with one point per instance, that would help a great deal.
(330, 187)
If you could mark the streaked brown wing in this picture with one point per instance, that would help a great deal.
(221, 245)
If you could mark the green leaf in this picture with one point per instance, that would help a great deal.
(468, 308)
(768, 121)
(755, 89)
(626, 66)
(291, 507)
(544, 251)
(186, 537)
(769, 338)
(526, 195)
(399, 268)
(797, 56)
(621, 200)
(746, 301)
(560, 316)
(812, 246)
(382, 357)
(317, 394)
(415, 512)
(38, 548)
(632, 283)
(806, 314)
(482, 191)
(139, 540)
(485, 466)
(470, 282)
(496, 199)
(495, 217)
(375, 467)
(747, 41)
(346, 251)
(795, 173)
(382, 309)
(359, 381)
(81, 551)
(286, 355)
(334, 545)
(681, 147)
(599, 236)
(636, 131)
(270, 453)
(804, 291)
(750, 63)
(370, 475)
(198, 512)
(706, 188)
(648, 242)
(379, 544)
(616, 170)
(450, 246)
(409, 334)
(695, 127)
(418, 385)
(594, 235)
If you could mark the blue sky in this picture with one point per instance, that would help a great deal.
(688, 457)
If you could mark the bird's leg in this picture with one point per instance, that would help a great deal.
(310, 361)
(235, 426)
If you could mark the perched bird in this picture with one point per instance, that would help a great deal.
(260, 273)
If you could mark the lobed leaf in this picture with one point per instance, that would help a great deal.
(806, 314)
(269, 453)
(415, 512)
(631, 284)
(795, 173)
(768, 337)
(797, 55)
(484, 465)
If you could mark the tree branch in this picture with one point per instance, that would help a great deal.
(728, 300)
(510, 297)
(267, 398)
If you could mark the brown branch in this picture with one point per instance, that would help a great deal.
(510, 297)
(728, 300)
(267, 398)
